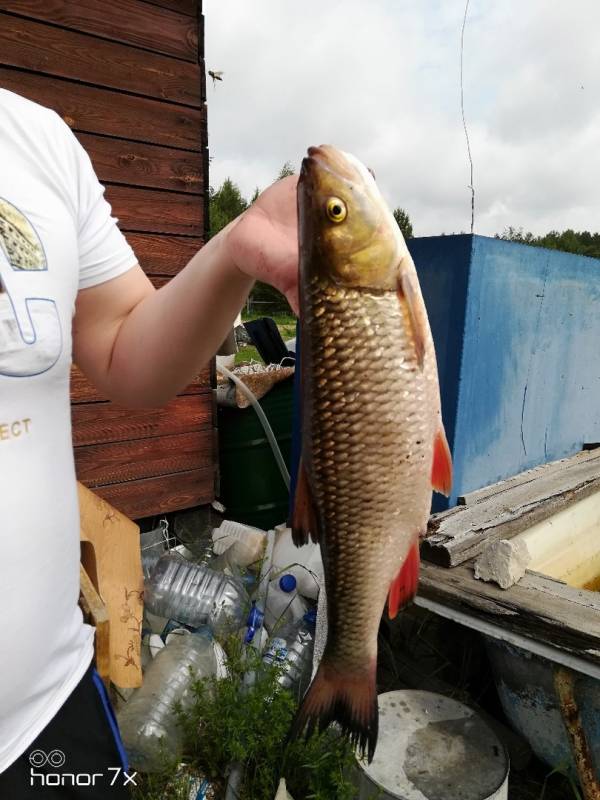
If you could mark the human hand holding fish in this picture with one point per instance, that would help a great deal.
(263, 241)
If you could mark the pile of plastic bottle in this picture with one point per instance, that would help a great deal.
(251, 582)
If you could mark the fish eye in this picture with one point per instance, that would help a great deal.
(336, 209)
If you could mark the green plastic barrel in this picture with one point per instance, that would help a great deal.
(252, 489)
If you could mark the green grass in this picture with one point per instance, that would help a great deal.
(245, 354)
(287, 328)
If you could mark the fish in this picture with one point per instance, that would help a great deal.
(373, 442)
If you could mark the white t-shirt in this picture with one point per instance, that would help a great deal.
(56, 236)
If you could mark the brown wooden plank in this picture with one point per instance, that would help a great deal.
(158, 281)
(126, 21)
(538, 607)
(163, 255)
(152, 496)
(66, 54)
(95, 423)
(201, 29)
(95, 613)
(144, 458)
(82, 391)
(85, 108)
(189, 7)
(155, 211)
(145, 165)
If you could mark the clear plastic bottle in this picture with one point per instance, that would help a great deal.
(148, 722)
(195, 594)
(284, 604)
(293, 647)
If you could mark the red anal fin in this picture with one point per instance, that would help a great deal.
(304, 520)
(404, 585)
(408, 292)
(441, 469)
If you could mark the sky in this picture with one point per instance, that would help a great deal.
(381, 79)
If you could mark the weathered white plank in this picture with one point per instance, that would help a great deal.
(510, 507)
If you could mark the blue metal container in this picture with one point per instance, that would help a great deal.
(525, 684)
(516, 330)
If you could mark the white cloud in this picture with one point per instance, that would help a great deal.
(381, 79)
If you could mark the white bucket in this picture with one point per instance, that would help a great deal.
(433, 748)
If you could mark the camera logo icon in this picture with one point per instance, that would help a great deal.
(55, 758)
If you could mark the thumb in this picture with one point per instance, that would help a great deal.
(293, 300)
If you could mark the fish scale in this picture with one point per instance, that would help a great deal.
(364, 491)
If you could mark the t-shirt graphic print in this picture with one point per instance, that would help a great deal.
(30, 331)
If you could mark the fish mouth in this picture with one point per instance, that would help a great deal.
(329, 158)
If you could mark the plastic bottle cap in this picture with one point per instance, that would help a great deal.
(255, 617)
(311, 616)
(287, 583)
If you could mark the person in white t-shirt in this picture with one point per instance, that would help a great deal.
(71, 288)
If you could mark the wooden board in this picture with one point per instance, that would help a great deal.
(130, 460)
(153, 496)
(163, 255)
(155, 211)
(509, 507)
(95, 614)
(66, 54)
(140, 164)
(201, 36)
(538, 607)
(118, 564)
(158, 281)
(127, 21)
(95, 423)
(82, 391)
(181, 6)
(86, 108)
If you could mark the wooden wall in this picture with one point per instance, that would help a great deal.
(128, 77)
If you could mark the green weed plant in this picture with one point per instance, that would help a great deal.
(245, 718)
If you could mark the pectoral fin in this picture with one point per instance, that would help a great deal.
(304, 520)
(441, 469)
(409, 293)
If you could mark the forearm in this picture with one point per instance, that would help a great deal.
(172, 333)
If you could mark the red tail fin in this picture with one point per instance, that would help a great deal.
(349, 699)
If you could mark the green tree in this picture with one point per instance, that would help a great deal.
(404, 223)
(286, 170)
(225, 204)
(581, 242)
